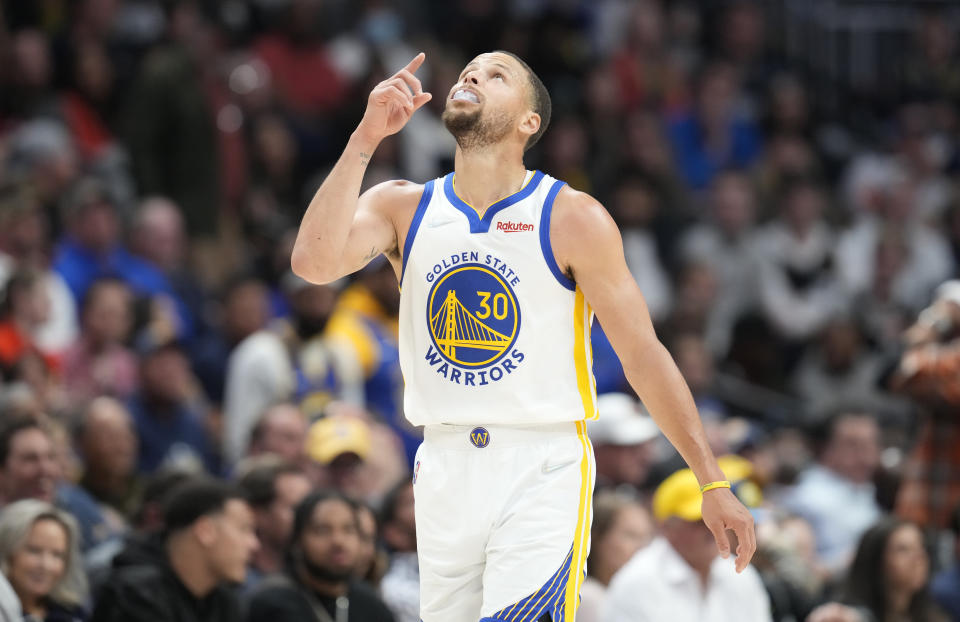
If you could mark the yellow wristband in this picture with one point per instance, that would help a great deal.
(712, 485)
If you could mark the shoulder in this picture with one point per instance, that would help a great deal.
(579, 218)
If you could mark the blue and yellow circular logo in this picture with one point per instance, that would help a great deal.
(479, 438)
(473, 316)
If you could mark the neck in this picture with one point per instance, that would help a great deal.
(898, 601)
(32, 605)
(485, 175)
(186, 560)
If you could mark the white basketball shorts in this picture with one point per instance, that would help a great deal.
(503, 521)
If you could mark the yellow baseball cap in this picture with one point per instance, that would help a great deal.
(679, 495)
(337, 435)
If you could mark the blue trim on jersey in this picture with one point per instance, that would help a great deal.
(414, 225)
(482, 225)
(550, 598)
(545, 245)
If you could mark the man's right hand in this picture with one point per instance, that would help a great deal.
(393, 102)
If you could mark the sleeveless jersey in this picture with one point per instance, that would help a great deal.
(491, 330)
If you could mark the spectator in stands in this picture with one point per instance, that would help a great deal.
(158, 236)
(25, 309)
(281, 430)
(208, 540)
(289, 360)
(92, 246)
(342, 444)
(99, 362)
(635, 206)
(621, 527)
(401, 584)
(926, 261)
(28, 467)
(31, 469)
(681, 576)
(799, 290)
(888, 579)
(726, 243)
(108, 445)
(715, 135)
(622, 440)
(169, 412)
(321, 561)
(848, 456)
(928, 372)
(244, 309)
(274, 488)
(839, 368)
(945, 587)
(24, 244)
(40, 556)
(42, 153)
(366, 320)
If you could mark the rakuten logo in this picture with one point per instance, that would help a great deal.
(513, 227)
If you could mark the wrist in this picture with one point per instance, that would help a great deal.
(715, 485)
(364, 140)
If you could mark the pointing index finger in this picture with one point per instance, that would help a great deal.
(414, 64)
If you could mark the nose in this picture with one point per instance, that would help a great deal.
(471, 77)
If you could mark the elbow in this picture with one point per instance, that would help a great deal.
(309, 267)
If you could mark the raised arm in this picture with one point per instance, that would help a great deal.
(587, 243)
(342, 231)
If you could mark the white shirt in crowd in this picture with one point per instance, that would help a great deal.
(657, 584)
(838, 509)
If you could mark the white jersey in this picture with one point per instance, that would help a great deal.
(491, 330)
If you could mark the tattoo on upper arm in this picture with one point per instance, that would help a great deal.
(373, 253)
(365, 158)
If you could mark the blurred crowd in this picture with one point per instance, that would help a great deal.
(190, 432)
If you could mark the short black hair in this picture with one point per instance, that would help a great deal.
(157, 489)
(194, 499)
(541, 99)
(259, 484)
(10, 428)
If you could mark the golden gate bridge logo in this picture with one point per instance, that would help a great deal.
(473, 316)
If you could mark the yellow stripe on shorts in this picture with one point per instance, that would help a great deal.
(581, 539)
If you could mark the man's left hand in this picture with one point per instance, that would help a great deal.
(722, 511)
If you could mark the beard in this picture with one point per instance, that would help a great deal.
(472, 131)
(324, 573)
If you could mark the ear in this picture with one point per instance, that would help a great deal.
(205, 530)
(530, 124)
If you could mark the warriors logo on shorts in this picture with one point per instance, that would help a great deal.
(473, 316)
(479, 437)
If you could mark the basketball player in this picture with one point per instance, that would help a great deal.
(501, 270)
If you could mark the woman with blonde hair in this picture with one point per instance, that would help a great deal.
(40, 556)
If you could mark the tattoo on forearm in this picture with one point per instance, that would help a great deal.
(373, 253)
(364, 158)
